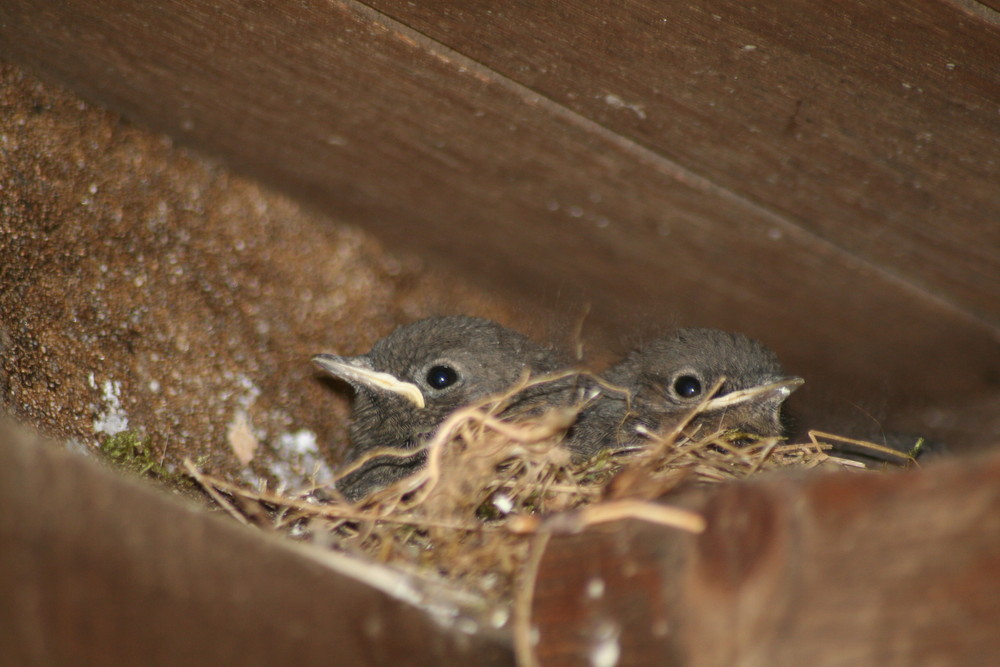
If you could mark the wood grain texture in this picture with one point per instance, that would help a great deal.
(99, 570)
(989, 10)
(872, 124)
(380, 125)
(829, 570)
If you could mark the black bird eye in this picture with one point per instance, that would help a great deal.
(687, 386)
(440, 377)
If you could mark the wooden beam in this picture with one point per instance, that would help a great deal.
(987, 9)
(873, 125)
(826, 570)
(96, 569)
(376, 123)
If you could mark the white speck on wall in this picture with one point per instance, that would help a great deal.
(301, 442)
(605, 650)
(253, 479)
(613, 100)
(251, 390)
(112, 419)
(298, 461)
(774, 234)
(750, 47)
(595, 588)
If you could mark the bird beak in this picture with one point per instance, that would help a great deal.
(359, 371)
(774, 392)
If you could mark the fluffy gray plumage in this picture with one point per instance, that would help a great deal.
(668, 377)
(485, 359)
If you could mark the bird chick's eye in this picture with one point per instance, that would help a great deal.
(687, 386)
(440, 377)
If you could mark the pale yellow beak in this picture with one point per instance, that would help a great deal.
(358, 371)
(775, 391)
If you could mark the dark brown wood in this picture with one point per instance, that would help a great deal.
(837, 569)
(988, 9)
(99, 570)
(567, 201)
(872, 124)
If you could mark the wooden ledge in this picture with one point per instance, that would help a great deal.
(832, 569)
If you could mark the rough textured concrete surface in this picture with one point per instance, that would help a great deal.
(148, 291)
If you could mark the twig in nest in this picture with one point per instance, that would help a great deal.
(589, 515)
(215, 495)
(523, 640)
(893, 454)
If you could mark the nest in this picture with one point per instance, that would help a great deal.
(497, 484)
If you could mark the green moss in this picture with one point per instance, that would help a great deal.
(130, 451)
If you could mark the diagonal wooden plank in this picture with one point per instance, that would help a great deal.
(873, 124)
(96, 569)
(374, 122)
(987, 9)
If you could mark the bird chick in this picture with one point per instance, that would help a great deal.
(668, 378)
(412, 379)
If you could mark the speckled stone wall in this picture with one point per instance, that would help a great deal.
(146, 290)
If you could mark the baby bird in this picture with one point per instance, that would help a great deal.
(669, 377)
(412, 379)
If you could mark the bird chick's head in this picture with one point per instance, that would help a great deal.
(413, 378)
(671, 376)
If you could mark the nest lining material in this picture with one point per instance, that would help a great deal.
(496, 485)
